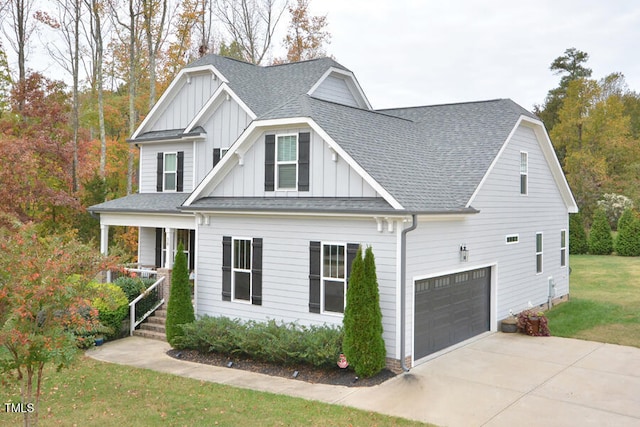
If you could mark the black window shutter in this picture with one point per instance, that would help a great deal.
(160, 172)
(352, 248)
(216, 156)
(314, 276)
(269, 162)
(192, 250)
(180, 172)
(226, 268)
(304, 140)
(256, 272)
(158, 247)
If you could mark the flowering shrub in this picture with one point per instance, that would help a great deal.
(533, 323)
(614, 205)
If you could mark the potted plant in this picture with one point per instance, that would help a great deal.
(533, 323)
(509, 324)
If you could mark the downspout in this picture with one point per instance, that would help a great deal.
(403, 292)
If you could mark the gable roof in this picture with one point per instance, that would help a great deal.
(430, 159)
(264, 88)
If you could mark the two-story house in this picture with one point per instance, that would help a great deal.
(272, 177)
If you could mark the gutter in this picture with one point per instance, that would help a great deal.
(403, 292)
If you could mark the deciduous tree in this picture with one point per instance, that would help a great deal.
(44, 306)
(307, 35)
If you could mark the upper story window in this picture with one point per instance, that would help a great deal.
(524, 172)
(287, 162)
(170, 169)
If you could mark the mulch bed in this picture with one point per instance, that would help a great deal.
(311, 374)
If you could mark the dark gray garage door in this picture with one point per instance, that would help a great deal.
(450, 309)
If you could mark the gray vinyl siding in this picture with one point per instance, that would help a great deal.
(148, 164)
(147, 246)
(433, 248)
(327, 178)
(187, 103)
(335, 89)
(285, 276)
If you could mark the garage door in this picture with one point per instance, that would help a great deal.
(450, 309)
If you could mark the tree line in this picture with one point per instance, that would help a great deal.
(66, 142)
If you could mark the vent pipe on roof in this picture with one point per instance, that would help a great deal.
(403, 291)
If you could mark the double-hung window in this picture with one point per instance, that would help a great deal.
(524, 172)
(563, 248)
(287, 162)
(333, 281)
(538, 253)
(170, 171)
(241, 275)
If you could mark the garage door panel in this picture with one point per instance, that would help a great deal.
(450, 309)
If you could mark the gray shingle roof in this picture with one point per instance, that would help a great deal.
(294, 204)
(143, 202)
(427, 158)
(264, 88)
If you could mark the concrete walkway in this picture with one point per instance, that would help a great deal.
(497, 380)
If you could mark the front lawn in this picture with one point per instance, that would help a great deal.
(93, 393)
(604, 301)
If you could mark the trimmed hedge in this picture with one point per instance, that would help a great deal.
(600, 239)
(180, 307)
(628, 240)
(283, 343)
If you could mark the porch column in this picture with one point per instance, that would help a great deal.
(104, 245)
(170, 233)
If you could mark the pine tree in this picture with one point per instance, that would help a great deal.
(180, 308)
(577, 235)
(363, 344)
(628, 241)
(600, 240)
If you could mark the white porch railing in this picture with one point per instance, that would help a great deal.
(132, 305)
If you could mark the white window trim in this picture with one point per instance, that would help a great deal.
(563, 248)
(289, 162)
(508, 236)
(333, 279)
(234, 269)
(541, 253)
(525, 173)
(165, 173)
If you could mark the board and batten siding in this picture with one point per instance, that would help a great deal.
(335, 89)
(285, 267)
(149, 164)
(189, 100)
(433, 248)
(223, 124)
(327, 178)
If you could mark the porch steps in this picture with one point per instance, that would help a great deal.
(154, 327)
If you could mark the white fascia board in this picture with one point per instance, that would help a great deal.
(256, 128)
(151, 220)
(352, 83)
(172, 91)
(549, 153)
(219, 95)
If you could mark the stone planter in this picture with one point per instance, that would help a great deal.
(509, 326)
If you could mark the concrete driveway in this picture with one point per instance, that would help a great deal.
(496, 380)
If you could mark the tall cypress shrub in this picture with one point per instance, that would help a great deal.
(180, 308)
(363, 344)
(628, 241)
(577, 235)
(600, 240)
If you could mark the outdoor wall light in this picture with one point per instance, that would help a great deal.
(464, 253)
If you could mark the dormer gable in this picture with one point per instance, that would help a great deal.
(342, 87)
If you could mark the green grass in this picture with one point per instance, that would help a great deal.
(604, 301)
(93, 393)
